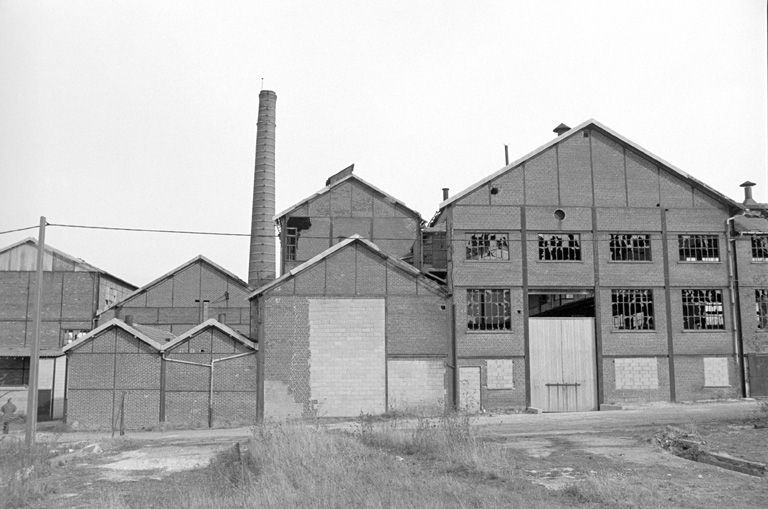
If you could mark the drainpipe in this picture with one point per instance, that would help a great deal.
(738, 340)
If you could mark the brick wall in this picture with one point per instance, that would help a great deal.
(632, 379)
(690, 379)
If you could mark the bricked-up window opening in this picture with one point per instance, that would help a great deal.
(760, 248)
(14, 371)
(489, 310)
(703, 310)
(699, 248)
(627, 247)
(487, 246)
(560, 247)
(761, 308)
(632, 309)
(291, 241)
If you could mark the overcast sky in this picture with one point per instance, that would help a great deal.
(142, 114)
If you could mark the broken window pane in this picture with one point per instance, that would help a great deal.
(699, 248)
(627, 247)
(632, 309)
(560, 247)
(487, 246)
(703, 309)
(489, 310)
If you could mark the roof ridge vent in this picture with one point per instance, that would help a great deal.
(561, 129)
(346, 172)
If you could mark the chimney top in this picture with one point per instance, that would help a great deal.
(561, 129)
(445, 193)
(748, 200)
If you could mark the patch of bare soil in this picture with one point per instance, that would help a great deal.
(742, 441)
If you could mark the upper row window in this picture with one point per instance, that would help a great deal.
(626, 247)
(699, 248)
(560, 247)
(760, 248)
(487, 246)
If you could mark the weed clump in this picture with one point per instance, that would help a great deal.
(23, 472)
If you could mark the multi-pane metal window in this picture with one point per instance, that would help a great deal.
(632, 309)
(291, 240)
(488, 310)
(761, 308)
(487, 246)
(760, 248)
(699, 248)
(559, 246)
(703, 309)
(628, 247)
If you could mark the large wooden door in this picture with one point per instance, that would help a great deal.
(562, 364)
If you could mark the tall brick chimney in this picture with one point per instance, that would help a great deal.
(261, 261)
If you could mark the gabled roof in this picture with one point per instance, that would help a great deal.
(79, 263)
(408, 269)
(750, 223)
(178, 269)
(333, 182)
(677, 172)
(115, 322)
(216, 325)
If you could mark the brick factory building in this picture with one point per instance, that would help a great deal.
(353, 330)
(136, 376)
(588, 272)
(591, 271)
(73, 293)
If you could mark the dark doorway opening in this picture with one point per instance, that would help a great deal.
(561, 303)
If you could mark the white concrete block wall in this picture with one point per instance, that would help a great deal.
(636, 373)
(716, 372)
(347, 356)
(499, 374)
(416, 385)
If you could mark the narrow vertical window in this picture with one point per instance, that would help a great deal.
(291, 241)
(761, 308)
(632, 309)
(488, 310)
(703, 310)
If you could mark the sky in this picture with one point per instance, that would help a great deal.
(142, 114)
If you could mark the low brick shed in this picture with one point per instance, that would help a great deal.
(204, 377)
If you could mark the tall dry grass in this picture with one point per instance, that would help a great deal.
(23, 472)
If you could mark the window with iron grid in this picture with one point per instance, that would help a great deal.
(761, 308)
(760, 248)
(703, 310)
(487, 246)
(291, 240)
(699, 248)
(488, 310)
(626, 247)
(632, 309)
(559, 247)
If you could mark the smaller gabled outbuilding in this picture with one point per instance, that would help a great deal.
(353, 330)
(142, 376)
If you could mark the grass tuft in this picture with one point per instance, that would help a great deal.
(23, 472)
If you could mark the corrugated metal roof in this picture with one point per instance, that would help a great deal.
(78, 262)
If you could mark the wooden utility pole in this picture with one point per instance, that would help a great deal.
(34, 356)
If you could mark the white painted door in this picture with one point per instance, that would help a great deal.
(562, 364)
(469, 389)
